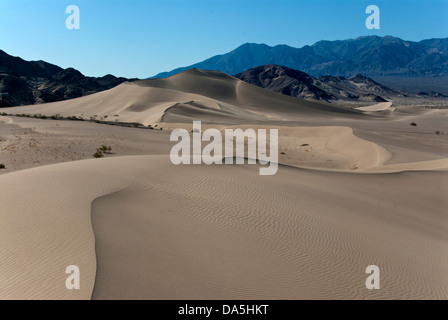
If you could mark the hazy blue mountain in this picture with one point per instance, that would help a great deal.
(371, 56)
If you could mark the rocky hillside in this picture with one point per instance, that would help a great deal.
(31, 82)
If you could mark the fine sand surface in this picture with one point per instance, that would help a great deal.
(378, 107)
(353, 188)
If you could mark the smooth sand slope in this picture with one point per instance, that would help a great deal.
(353, 189)
(384, 106)
(45, 227)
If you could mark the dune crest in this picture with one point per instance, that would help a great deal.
(44, 231)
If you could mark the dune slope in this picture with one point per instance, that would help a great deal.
(166, 232)
(209, 96)
(353, 188)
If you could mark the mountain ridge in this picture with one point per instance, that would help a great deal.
(30, 82)
(299, 84)
(368, 55)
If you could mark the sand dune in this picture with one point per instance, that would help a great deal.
(209, 96)
(354, 188)
(220, 232)
(206, 233)
(384, 106)
(45, 230)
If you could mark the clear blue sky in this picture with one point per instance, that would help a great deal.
(139, 38)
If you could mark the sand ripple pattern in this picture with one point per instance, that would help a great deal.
(224, 232)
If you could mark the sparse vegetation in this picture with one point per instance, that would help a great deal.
(105, 149)
(91, 119)
(98, 154)
(438, 132)
(413, 124)
(282, 152)
(304, 145)
(101, 151)
(2, 166)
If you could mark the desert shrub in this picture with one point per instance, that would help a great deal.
(413, 124)
(4, 114)
(101, 151)
(304, 145)
(2, 166)
(438, 132)
(105, 149)
(98, 154)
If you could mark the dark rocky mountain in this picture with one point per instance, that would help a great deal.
(327, 88)
(30, 82)
(371, 56)
(287, 81)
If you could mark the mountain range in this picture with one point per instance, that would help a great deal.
(30, 82)
(372, 56)
(365, 69)
(327, 88)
